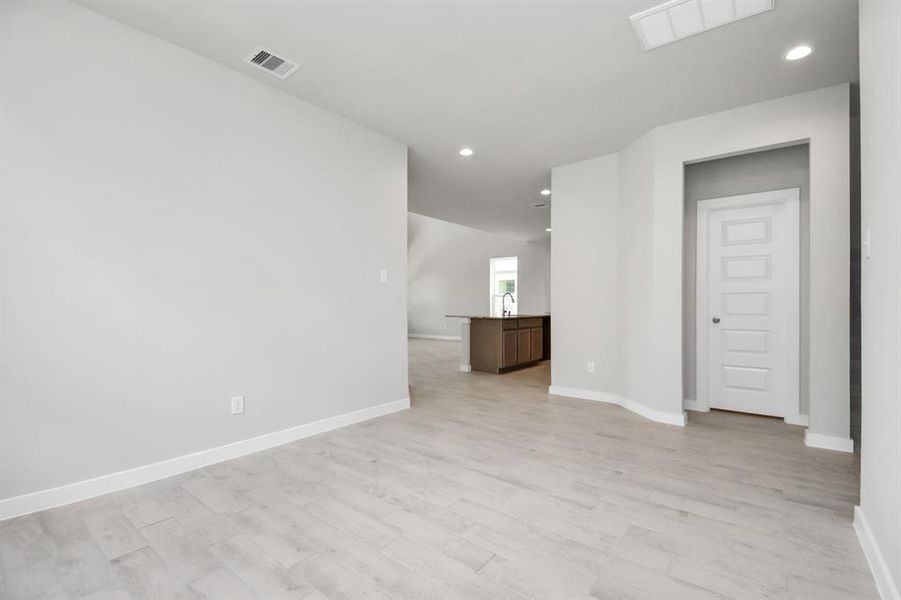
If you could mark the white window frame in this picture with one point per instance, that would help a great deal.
(492, 285)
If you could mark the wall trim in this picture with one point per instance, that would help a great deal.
(799, 419)
(888, 589)
(828, 442)
(559, 390)
(430, 336)
(652, 414)
(113, 482)
(694, 405)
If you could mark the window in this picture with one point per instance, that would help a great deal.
(503, 281)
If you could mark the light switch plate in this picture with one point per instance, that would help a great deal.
(383, 276)
(237, 405)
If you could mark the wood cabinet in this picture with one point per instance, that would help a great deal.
(536, 343)
(499, 345)
(510, 349)
(523, 346)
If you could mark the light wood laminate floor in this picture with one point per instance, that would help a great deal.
(486, 489)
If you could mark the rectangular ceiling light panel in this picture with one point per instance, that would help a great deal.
(678, 19)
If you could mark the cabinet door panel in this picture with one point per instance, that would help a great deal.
(537, 349)
(508, 349)
(523, 346)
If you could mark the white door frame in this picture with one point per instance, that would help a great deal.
(790, 198)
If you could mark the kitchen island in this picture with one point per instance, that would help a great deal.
(502, 344)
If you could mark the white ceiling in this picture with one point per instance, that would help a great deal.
(529, 85)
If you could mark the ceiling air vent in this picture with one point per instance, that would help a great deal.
(277, 65)
(540, 205)
(679, 19)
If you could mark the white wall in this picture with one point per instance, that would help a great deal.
(448, 273)
(776, 169)
(651, 228)
(174, 234)
(635, 283)
(583, 267)
(822, 117)
(879, 519)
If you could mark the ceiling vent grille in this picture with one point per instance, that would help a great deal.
(271, 63)
(540, 205)
(679, 19)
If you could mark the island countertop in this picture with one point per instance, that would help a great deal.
(541, 316)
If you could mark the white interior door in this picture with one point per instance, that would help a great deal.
(748, 302)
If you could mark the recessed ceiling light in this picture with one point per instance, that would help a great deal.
(545, 192)
(466, 151)
(547, 229)
(798, 52)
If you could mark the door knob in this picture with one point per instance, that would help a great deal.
(716, 320)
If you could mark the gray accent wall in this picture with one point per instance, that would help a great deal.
(763, 171)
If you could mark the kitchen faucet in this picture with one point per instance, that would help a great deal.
(504, 311)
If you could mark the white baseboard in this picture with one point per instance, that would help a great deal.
(888, 588)
(652, 414)
(82, 490)
(802, 420)
(694, 405)
(828, 442)
(465, 368)
(429, 336)
(559, 390)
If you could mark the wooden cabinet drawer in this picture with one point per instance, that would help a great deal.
(514, 323)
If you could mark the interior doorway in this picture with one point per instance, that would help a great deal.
(751, 173)
(748, 303)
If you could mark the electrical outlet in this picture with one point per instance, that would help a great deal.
(590, 366)
(237, 405)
